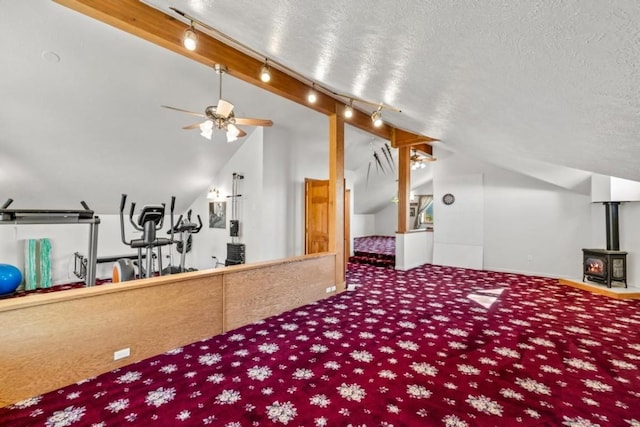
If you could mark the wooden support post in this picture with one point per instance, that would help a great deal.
(336, 195)
(404, 184)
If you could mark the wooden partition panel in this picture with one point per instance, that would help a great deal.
(50, 340)
(254, 294)
(47, 345)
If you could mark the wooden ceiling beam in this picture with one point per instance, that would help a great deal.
(405, 138)
(423, 148)
(148, 23)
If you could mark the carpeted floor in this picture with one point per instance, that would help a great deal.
(54, 288)
(433, 346)
(374, 250)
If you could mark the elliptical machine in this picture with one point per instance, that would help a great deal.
(150, 220)
(186, 228)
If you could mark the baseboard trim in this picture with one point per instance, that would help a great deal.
(627, 294)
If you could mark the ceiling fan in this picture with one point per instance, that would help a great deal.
(221, 116)
(419, 160)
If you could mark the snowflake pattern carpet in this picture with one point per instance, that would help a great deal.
(374, 250)
(433, 346)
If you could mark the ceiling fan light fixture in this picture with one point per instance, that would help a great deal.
(213, 194)
(348, 110)
(190, 38)
(376, 117)
(206, 129)
(265, 72)
(232, 132)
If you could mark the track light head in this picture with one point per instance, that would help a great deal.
(312, 96)
(265, 72)
(190, 38)
(376, 117)
(348, 109)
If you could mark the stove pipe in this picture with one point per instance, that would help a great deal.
(613, 236)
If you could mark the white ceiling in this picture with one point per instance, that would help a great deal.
(553, 83)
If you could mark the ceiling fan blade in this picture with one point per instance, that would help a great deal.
(253, 122)
(184, 111)
(193, 126)
(224, 108)
(241, 133)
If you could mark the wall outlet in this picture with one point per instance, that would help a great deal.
(121, 354)
(529, 258)
(328, 290)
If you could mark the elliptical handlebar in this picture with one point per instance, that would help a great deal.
(187, 224)
(123, 202)
(131, 211)
(161, 222)
(173, 206)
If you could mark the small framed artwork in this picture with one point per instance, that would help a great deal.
(412, 211)
(217, 214)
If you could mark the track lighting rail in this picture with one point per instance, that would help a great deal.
(265, 74)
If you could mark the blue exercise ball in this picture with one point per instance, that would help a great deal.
(10, 278)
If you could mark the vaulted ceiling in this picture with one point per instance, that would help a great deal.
(546, 83)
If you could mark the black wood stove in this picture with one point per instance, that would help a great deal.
(607, 265)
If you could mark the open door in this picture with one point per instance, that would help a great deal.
(316, 216)
(347, 226)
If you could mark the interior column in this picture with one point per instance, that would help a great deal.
(336, 195)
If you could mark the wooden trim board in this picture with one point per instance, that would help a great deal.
(628, 294)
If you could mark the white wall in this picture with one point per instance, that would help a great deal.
(386, 220)
(529, 226)
(210, 242)
(629, 237)
(534, 227)
(413, 249)
(610, 188)
(363, 225)
(280, 216)
(271, 210)
(66, 239)
(459, 235)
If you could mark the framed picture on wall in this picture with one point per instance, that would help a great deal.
(217, 214)
(412, 209)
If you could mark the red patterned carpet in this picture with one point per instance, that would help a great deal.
(374, 250)
(434, 346)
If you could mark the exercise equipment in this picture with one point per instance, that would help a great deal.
(10, 279)
(235, 250)
(186, 229)
(80, 262)
(150, 220)
(59, 216)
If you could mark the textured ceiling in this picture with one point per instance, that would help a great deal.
(552, 83)
(557, 81)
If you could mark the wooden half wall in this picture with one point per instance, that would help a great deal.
(52, 340)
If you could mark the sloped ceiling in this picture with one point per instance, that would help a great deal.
(556, 83)
(553, 81)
